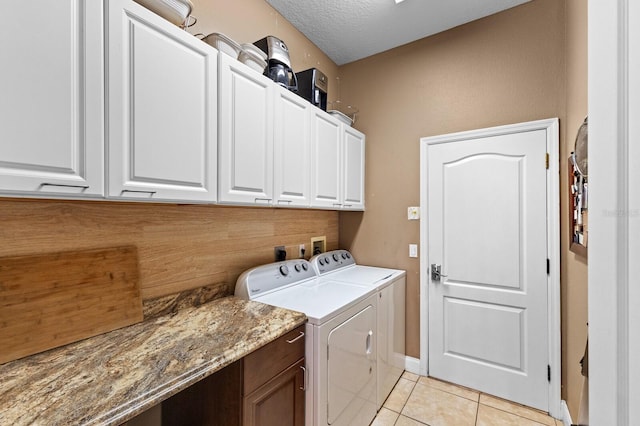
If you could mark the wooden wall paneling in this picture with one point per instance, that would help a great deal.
(180, 247)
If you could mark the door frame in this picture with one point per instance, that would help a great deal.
(614, 105)
(551, 127)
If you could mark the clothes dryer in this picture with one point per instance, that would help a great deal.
(340, 348)
(390, 287)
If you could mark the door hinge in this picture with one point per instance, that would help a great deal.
(548, 267)
(549, 373)
(546, 161)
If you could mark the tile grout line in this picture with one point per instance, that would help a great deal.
(405, 403)
(477, 411)
(509, 412)
(455, 394)
(477, 401)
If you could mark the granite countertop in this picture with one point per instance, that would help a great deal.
(112, 377)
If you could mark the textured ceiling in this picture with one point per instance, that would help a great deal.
(348, 30)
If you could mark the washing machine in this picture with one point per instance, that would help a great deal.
(390, 287)
(341, 340)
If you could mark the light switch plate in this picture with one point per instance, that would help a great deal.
(413, 250)
(413, 213)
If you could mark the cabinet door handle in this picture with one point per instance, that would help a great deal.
(297, 338)
(83, 187)
(152, 193)
(304, 381)
(337, 205)
(258, 200)
(284, 201)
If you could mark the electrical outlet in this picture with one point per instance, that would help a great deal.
(318, 245)
(413, 250)
(301, 251)
(280, 253)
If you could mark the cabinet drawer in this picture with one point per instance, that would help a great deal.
(265, 363)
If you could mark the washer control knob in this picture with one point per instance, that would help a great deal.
(344, 255)
(304, 266)
(336, 257)
(327, 260)
(321, 262)
(284, 270)
(297, 267)
(348, 255)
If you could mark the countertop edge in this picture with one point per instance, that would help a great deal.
(111, 378)
(122, 414)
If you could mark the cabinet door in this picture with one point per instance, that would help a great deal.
(291, 149)
(162, 108)
(246, 135)
(326, 160)
(51, 98)
(280, 402)
(353, 173)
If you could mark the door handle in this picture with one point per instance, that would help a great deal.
(304, 381)
(369, 336)
(436, 273)
(300, 336)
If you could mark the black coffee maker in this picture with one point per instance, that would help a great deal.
(312, 85)
(278, 63)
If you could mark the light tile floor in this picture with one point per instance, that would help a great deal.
(418, 401)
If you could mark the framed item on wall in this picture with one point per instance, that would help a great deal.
(579, 193)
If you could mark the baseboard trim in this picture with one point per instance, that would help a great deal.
(566, 415)
(412, 365)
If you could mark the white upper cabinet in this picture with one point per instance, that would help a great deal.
(337, 164)
(353, 169)
(51, 98)
(326, 168)
(162, 109)
(292, 138)
(246, 135)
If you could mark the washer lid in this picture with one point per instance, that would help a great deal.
(320, 300)
(367, 275)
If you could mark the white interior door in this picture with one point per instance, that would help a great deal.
(487, 227)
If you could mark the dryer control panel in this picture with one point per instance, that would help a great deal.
(273, 276)
(331, 261)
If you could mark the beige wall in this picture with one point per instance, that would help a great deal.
(573, 267)
(523, 64)
(246, 21)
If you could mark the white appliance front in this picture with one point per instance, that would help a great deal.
(346, 366)
(340, 349)
(390, 284)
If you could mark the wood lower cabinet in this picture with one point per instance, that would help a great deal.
(275, 382)
(267, 387)
(279, 402)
